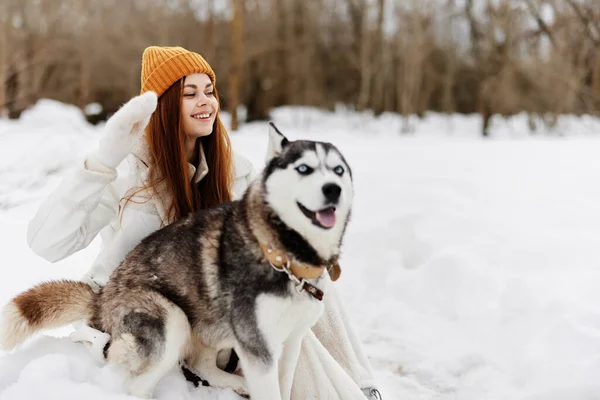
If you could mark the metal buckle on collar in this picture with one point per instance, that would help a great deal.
(286, 268)
(300, 283)
(372, 394)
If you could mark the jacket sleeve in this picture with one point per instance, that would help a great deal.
(136, 221)
(245, 174)
(71, 216)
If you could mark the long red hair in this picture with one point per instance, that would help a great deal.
(169, 166)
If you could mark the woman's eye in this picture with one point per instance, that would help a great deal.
(339, 170)
(210, 93)
(304, 169)
(189, 95)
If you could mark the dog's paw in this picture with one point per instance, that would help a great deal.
(243, 392)
(238, 384)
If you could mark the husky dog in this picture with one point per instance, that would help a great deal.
(246, 275)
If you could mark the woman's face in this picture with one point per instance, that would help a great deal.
(199, 106)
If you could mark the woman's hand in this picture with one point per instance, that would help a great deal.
(124, 128)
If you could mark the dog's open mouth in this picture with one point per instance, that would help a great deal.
(324, 218)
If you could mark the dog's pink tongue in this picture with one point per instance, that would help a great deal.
(326, 217)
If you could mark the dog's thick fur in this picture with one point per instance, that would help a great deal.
(203, 284)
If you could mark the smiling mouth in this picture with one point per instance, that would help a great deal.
(324, 218)
(202, 116)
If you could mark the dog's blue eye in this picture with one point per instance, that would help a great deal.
(339, 170)
(304, 169)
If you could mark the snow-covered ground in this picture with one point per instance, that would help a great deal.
(471, 267)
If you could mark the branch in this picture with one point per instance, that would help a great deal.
(543, 26)
(585, 20)
(476, 34)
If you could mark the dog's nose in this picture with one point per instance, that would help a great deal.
(332, 192)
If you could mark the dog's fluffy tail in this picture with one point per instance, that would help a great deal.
(45, 306)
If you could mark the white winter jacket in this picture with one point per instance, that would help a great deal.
(90, 201)
(332, 363)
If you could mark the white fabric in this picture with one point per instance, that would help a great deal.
(124, 129)
(332, 364)
(88, 202)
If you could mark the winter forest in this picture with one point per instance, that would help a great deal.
(471, 268)
(407, 56)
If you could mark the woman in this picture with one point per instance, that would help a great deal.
(181, 162)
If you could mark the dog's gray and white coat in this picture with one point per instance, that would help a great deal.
(203, 283)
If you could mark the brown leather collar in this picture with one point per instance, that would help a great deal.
(300, 271)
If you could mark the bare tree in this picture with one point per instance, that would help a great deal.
(379, 75)
(538, 56)
(365, 54)
(210, 31)
(283, 50)
(371, 55)
(4, 50)
(236, 60)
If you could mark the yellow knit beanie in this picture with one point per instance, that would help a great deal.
(163, 66)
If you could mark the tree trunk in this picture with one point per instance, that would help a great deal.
(84, 81)
(378, 74)
(256, 106)
(283, 53)
(4, 26)
(486, 116)
(28, 73)
(308, 78)
(298, 87)
(476, 39)
(85, 48)
(209, 33)
(12, 92)
(365, 60)
(596, 79)
(236, 61)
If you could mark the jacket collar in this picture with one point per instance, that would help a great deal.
(197, 172)
(142, 159)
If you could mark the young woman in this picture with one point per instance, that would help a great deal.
(180, 162)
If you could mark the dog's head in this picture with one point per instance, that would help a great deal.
(309, 186)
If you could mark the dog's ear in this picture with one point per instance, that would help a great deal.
(276, 142)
